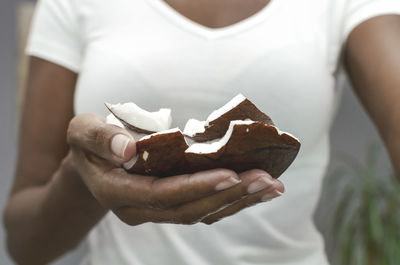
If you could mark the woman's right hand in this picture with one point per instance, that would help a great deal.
(98, 151)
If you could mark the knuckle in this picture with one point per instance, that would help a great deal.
(99, 134)
(98, 137)
(72, 132)
(76, 130)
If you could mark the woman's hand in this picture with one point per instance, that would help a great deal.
(99, 150)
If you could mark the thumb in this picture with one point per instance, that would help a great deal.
(90, 133)
(122, 146)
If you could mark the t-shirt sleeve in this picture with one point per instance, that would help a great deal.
(55, 34)
(358, 11)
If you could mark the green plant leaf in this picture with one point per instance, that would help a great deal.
(340, 218)
(366, 222)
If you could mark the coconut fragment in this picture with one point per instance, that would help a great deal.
(140, 120)
(226, 108)
(111, 119)
(237, 136)
(194, 127)
(145, 155)
(173, 130)
(261, 147)
(167, 150)
(217, 123)
(214, 146)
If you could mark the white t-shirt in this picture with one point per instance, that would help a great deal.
(284, 59)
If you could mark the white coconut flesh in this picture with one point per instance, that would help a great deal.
(224, 109)
(289, 134)
(134, 115)
(194, 127)
(173, 130)
(111, 119)
(215, 145)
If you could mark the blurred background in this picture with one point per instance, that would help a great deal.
(352, 136)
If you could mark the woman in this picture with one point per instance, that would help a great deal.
(191, 56)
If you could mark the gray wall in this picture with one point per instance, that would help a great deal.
(352, 131)
(7, 138)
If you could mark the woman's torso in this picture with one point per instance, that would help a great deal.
(283, 58)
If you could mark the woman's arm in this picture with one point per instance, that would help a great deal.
(372, 57)
(49, 209)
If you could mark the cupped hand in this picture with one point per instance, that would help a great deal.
(99, 150)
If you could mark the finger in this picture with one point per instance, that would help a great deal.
(136, 216)
(258, 192)
(164, 193)
(110, 142)
(255, 183)
(236, 207)
(196, 211)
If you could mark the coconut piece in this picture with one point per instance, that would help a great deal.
(111, 119)
(217, 123)
(250, 142)
(246, 145)
(160, 154)
(140, 120)
(215, 145)
(194, 127)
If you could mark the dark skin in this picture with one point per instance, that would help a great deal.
(68, 178)
(374, 70)
(217, 14)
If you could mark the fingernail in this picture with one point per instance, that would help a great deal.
(227, 183)
(260, 184)
(269, 196)
(118, 145)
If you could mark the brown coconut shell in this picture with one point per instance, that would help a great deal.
(217, 128)
(250, 146)
(165, 154)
